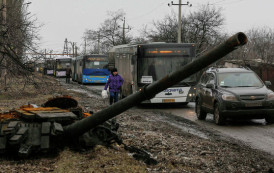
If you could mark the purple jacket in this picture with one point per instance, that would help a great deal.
(114, 83)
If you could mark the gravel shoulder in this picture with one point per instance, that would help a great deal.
(177, 144)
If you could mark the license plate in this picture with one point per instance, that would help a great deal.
(168, 100)
(255, 104)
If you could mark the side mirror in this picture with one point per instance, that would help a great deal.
(210, 86)
(267, 83)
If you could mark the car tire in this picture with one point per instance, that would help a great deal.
(219, 119)
(201, 114)
(269, 119)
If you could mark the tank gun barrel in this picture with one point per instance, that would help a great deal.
(148, 92)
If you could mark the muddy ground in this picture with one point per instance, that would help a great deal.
(176, 144)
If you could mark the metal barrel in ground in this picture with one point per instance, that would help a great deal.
(148, 92)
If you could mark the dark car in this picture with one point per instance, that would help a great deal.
(233, 93)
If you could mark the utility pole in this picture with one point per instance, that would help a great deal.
(65, 51)
(85, 46)
(180, 18)
(50, 52)
(76, 49)
(73, 48)
(73, 52)
(124, 33)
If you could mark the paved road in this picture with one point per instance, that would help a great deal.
(254, 133)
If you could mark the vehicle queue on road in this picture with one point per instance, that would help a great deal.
(140, 65)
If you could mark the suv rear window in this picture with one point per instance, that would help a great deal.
(240, 79)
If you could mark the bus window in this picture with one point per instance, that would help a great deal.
(158, 67)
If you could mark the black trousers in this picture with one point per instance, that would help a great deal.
(113, 96)
(67, 79)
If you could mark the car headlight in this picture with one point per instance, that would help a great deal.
(270, 96)
(229, 97)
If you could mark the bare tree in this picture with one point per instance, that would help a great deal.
(18, 34)
(261, 44)
(202, 27)
(164, 30)
(260, 47)
(109, 34)
(261, 51)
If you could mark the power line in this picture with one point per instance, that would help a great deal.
(47, 54)
(218, 3)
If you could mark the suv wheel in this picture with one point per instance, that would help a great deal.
(218, 117)
(201, 114)
(269, 119)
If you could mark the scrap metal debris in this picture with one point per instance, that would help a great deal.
(32, 129)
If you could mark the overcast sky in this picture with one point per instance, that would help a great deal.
(70, 18)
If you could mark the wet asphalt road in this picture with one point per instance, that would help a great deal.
(255, 133)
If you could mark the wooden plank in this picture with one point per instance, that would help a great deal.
(54, 111)
(22, 112)
(56, 116)
(42, 109)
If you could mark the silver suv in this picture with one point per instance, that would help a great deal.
(233, 93)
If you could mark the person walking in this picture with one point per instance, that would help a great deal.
(115, 82)
(68, 73)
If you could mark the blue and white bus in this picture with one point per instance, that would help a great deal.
(91, 69)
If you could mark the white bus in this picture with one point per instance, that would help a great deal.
(60, 66)
(143, 64)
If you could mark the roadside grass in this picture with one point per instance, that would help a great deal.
(35, 89)
(100, 159)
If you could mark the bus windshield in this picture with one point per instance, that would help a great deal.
(155, 68)
(62, 64)
(96, 64)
